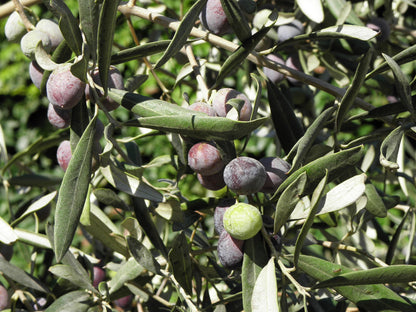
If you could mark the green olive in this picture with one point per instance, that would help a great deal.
(242, 221)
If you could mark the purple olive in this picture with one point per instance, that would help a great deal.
(63, 89)
(276, 169)
(273, 75)
(219, 211)
(205, 158)
(64, 154)
(214, 19)
(58, 117)
(212, 182)
(244, 175)
(220, 99)
(115, 81)
(230, 250)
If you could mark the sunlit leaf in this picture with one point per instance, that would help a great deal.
(312, 9)
(78, 300)
(264, 296)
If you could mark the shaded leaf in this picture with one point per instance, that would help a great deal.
(182, 33)
(316, 199)
(88, 16)
(337, 6)
(375, 204)
(127, 272)
(36, 206)
(69, 273)
(68, 24)
(73, 191)
(286, 124)
(18, 275)
(102, 228)
(404, 56)
(106, 27)
(124, 181)
(254, 259)
(288, 200)
(139, 51)
(240, 54)
(383, 275)
(109, 197)
(181, 262)
(348, 99)
(264, 297)
(78, 300)
(34, 180)
(368, 297)
(143, 255)
(389, 148)
(402, 84)
(236, 19)
(303, 146)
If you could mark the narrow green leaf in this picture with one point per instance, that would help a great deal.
(78, 300)
(341, 196)
(255, 258)
(369, 297)
(37, 205)
(335, 163)
(316, 198)
(404, 56)
(110, 198)
(7, 234)
(240, 54)
(69, 273)
(286, 124)
(143, 255)
(389, 148)
(395, 239)
(68, 24)
(312, 9)
(303, 146)
(336, 7)
(34, 180)
(18, 275)
(181, 262)
(402, 84)
(103, 229)
(124, 181)
(106, 28)
(264, 296)
(88, 16)
(127, 272)
(287, 202)
(236, 18)
(139, 51)
(73, 191)
(182, 33)
(375, 204)
(145, 220)
(352, 92)
(201, 127)
(382, 275)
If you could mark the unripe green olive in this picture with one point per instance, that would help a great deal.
(242, 221)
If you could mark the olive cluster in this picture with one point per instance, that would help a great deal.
(234, 222)
(63, 89)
